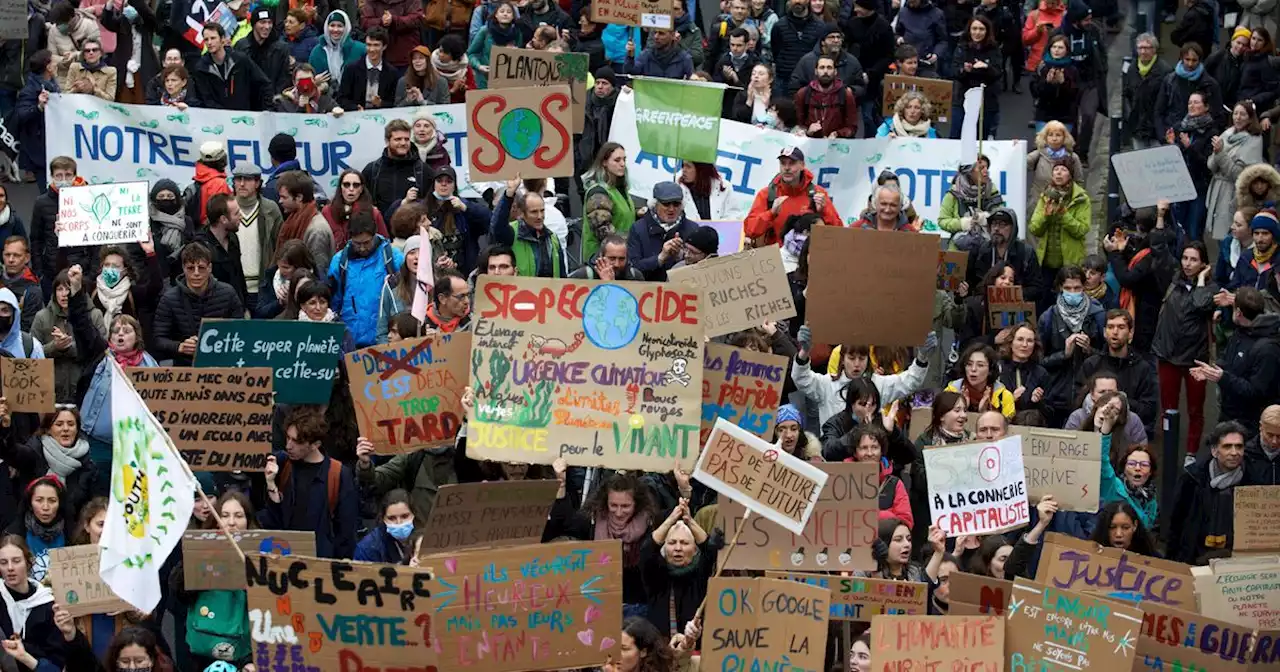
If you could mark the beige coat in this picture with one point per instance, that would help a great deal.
(61, 45)
(104, 80)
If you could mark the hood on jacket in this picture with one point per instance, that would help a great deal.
(206, 174)
(1257, 171)
(166, 184)
(1008, 212)
(1266, 325)
(336, 15)
(11, 342)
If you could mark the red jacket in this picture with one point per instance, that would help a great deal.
(211, 182)
(901, 506)
(762, 224)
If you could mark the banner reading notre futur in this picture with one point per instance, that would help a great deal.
(678, 118)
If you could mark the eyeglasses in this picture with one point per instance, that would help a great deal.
(1139, 464)
(351, 185)
(90, 50)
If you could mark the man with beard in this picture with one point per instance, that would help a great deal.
(539, 252)
(264, 47)
(1005, 246)
(870, 40)
(598, 117)
(794, 35)
(223, 243)
(848, 69)
(1251, 269)
(399, 173)
(664, 57)
(357, 275)
(826, 107)
(734, 68)
(793, 191)
(544, 13)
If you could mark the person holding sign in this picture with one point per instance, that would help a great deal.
(676, 562)
(389, 541)
(26, 625)
(218, 620)
(946, 427)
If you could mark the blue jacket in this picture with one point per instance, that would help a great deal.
(15, 226)
(361, 292)
(645, 240)
(1114, 490)
(1246, 273)
(335, 535)
(30, 123)
(922, 27)
(887, 127)
(12, 341)
(96, 407)
(614, 37)
(389, 305)
(379, 546)
(302, 47)
(678, 64)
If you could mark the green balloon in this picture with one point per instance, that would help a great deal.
(520, 132)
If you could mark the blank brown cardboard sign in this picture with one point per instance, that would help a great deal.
(879, 286)
(219, 418)
(496, 513)
(974, 594)
(937, 91)
(1256, 509)
(752, 622)
(742, 290)
(27, 384)
(937, 642)
(525, 131)
(1050, 628)
(511, 67)
(642, 13)
(210, 563)
(77, 586)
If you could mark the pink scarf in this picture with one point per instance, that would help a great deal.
(630, 534)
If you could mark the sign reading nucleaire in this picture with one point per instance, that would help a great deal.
(103, 214)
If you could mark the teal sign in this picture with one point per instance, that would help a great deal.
(304, 355)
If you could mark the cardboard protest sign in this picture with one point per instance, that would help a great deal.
(603, 374)
(77, 585)
(1175, 639)
(936, 91)
(741, 291)
(845, 263)
(104, 214)
(952, 266)
(1064, 629)
(766, 480)
(303, 355)
(858, 599)
(525, 131)
(210, 563)
(1148, 175)
(1064, 464)
(220, 419)
(511, 67)
(977, 488)
(496, 513)
(750, 623)
(937, 643)
(1006, 307)
(1244, 591)
(743, 387)
(408, 395)
(837, 536)
(27, 384)
(1075, 564)
(973, 594)
(545, 606)
(1257, 507)
(642, 13)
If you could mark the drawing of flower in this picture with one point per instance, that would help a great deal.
(149, 124)
(99, 208)
(350, 131)
(445, 116)
(316, 122)
(121, 109)
(88, 115)
(180, 118)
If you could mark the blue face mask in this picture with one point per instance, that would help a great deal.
(111, 276)
(130, 13)
(1073, 299)
(402, 531)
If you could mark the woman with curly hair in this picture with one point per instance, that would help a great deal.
(135, 648)
(643, 649)
(1054, 144)
(1020, 368)
(912, 118)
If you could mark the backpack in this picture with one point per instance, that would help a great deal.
(333, 480)
(388, 263)
(218, 625)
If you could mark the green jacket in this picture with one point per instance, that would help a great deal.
(952, 210)
(1073, 224)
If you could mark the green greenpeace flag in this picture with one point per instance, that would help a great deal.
(678, 118)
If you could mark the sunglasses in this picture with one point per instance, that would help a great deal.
(351, 184)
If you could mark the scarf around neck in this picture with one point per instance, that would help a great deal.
(1221, 480)
(903, 128)
(629, 534)
(1195, 123)
(46, 533)
(112, 298)
(1141, 494)
(5, 215)
(63, 461)
(1190, 75)
(133, 357)
(966, 191)
(329, 316)
(502, 35)
(1144, 68)
(455, 71)
(1074, 317)
(296, 225)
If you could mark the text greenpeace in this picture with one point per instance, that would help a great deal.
(122, 143)
(697, 121)
(747, 160)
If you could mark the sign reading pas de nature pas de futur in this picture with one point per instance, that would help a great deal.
(678, 118)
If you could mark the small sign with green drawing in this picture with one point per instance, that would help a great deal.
(103, 214)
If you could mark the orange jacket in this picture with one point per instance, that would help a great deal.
(762, 224)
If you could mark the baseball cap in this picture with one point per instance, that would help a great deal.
(793, 153)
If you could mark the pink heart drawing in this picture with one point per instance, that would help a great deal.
(607, 643)
(451, 564)
(586, 636)
(593, 612)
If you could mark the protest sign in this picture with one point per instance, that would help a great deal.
(679, 118)
(521, 131)
(496, 513)
(977, 488)
(77, 584)
(1257, 507)
(936, 91)
(844, 263)
(740, 291)
(765, 479)
(202, 12)
(730, 237)
(1075, 564)
(1149, 175)
(511, 67)
(1062, 463)
(837, 536)
(1183, 641)
(220, 419)
(1057, 628)
(303, 355)
(408, 395)
(103, 214)
(539, 607)
(1244, 591)
(937, 643)
(27, 384)
(952, 267)
(743, 387)
(1006, 307)
(747, 158)
(973, 594)
(856, 598)
(642, 13)
(610, 369)
(210, 563)
(752, 623)
(13, 20)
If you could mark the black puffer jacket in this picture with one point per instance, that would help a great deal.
(1063, 368)
(1171, 100)
(272, 57)
(1258, 468)
(1182, 332)
(1227, 69)
(1250, 370)
(792, 38)
(1140, 99)
(1136, 377)
(1144, 281)
(180, 311)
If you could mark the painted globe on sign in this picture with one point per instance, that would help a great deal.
(610, 317)
(520, 132)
